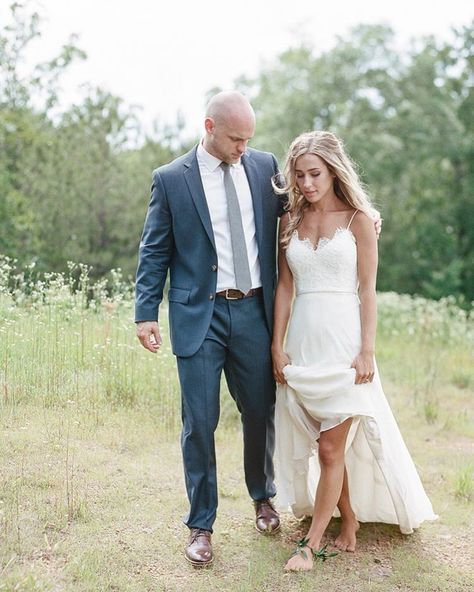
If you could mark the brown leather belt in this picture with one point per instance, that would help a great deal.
(232, 294)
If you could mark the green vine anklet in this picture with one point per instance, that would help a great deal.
(322, 554)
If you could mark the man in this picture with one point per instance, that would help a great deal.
(212, 223)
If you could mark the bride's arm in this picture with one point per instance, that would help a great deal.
(282, 309)
(367, 258)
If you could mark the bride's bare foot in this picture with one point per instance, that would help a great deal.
(346, 541)
(301, 560)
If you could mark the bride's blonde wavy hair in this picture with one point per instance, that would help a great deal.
(347, 186)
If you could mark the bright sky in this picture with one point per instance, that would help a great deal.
(165, 55)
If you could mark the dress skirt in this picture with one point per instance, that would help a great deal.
(323, 339)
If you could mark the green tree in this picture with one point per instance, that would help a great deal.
(71, 186)
(407, 119)
(26, 132)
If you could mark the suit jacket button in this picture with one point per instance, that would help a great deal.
(214, 267)
(211, 296)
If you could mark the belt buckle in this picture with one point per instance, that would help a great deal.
(227, 297)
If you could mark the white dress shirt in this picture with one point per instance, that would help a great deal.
(213, 182)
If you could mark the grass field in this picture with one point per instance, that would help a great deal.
(91, 487)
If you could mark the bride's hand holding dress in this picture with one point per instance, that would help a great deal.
(280, 360)
(364, 367)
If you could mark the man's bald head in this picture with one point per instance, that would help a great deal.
(229, 104)
(229, 124)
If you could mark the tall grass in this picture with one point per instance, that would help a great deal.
(64, 338)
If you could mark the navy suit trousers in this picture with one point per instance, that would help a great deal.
(238, 342)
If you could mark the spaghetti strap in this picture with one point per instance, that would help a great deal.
(352, 218)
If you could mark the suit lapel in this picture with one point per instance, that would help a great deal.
(255, 190)
(193, 179)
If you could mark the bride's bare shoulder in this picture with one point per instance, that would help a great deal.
(362, 225)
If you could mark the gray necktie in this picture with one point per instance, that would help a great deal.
(239, 248)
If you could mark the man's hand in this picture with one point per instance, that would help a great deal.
(149, 335)
(377, 221)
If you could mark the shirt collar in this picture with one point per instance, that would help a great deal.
(210, 161)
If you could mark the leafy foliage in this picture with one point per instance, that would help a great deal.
(71, 186)
(407, 118)
(74, 184)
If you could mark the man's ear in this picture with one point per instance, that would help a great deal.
(209, 125)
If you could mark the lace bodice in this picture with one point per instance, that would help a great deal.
(331, 266)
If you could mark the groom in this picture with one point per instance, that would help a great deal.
(212, 224)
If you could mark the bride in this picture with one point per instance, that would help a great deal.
(338, 444)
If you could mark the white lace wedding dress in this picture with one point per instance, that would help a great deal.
(323, 339)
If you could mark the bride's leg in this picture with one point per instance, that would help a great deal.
(346, 541)
(331, 459)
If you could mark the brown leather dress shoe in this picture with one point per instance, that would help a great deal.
(266, 517)
(199, 549)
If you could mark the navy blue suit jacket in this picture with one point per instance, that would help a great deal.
(178, 237)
